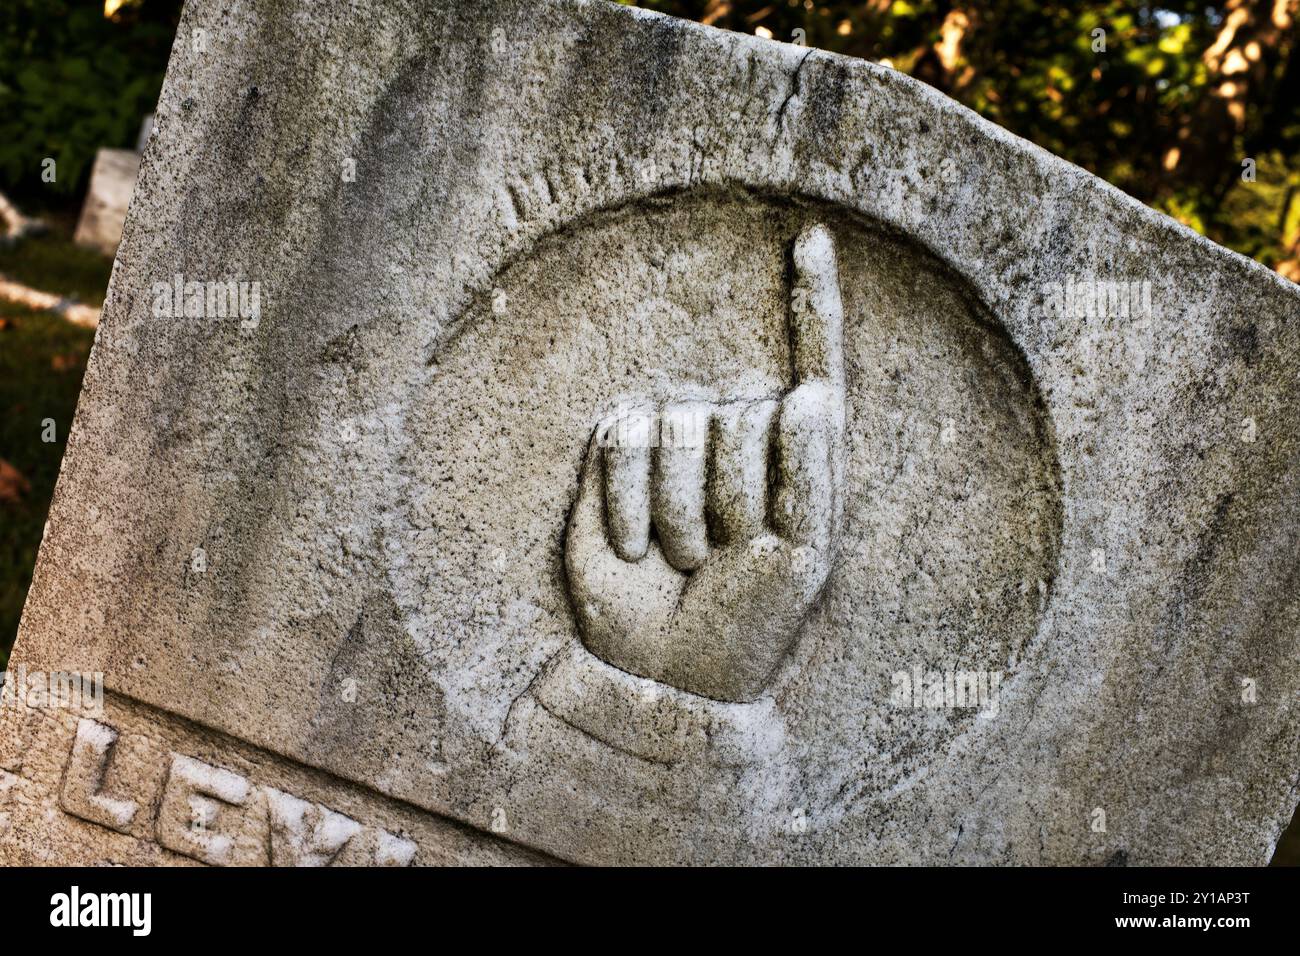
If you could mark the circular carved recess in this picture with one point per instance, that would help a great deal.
(952, 512)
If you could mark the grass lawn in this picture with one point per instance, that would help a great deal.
(52, 263)
(42, 360)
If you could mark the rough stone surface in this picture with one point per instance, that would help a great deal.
(374, 575)
(112, 180)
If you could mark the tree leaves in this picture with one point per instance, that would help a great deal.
(73, 81)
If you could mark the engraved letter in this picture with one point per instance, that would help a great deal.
(91, 752)
(306, 834)
(392, 850)
(191, 802)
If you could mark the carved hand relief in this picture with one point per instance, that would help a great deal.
(719, 448)
(703, 531)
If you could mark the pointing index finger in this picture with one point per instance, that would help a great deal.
(816, 309)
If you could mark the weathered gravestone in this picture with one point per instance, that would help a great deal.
(555, 431)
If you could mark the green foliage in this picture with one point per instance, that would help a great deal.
(42, 359)
(1262, 218)
(72, 81)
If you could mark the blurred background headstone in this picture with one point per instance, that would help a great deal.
(111, 183)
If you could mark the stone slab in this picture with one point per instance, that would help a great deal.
(335, 529)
